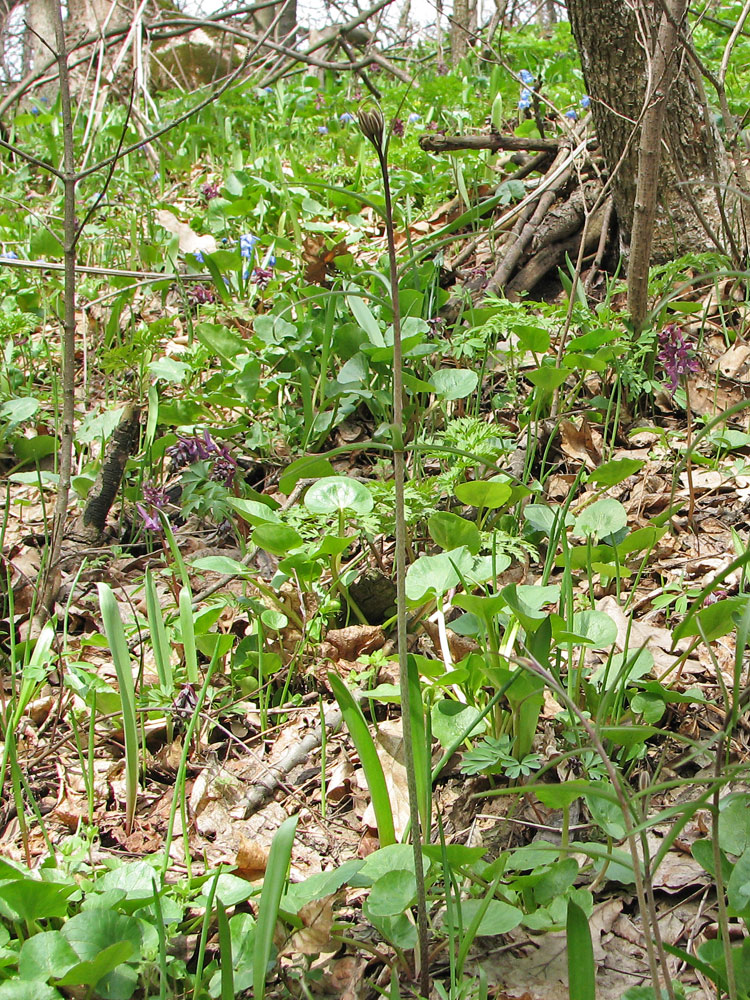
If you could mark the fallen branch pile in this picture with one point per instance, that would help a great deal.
(566, 212)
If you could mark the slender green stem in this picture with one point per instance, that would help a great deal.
(373, 127)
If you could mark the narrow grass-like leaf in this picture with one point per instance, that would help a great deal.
(205, 925)
(270, 897)
(34, 673)
(162, 936)
(581, 968)
(421, 747)
(225, 952)
(363, 741)
(159, 641)
(187, 628)
(121, 657)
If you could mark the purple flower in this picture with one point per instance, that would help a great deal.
(201, 294)
(322, 130)
(397, 126)
(585, 101)
(210, 191)
(198, 256)
(414, 118)
(676, 354)
(261, 276)
(154, 496)
(525, 76)
(151, 522)
(224, 467)
(189, 450)
(319, 100)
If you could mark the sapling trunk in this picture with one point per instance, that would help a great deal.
(373, 128)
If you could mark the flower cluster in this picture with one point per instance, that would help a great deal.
(247, 245)
(210, 191)
(201, 294)
(155, 499)
(261, 276)
(527, 79)
(397, 127)
(676, 354)
(189, 450)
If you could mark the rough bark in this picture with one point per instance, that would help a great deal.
(612, 43)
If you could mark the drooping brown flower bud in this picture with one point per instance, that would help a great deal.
(372, 124)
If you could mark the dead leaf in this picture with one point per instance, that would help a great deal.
(582, 444)
(189, 241)
(251, 860)
(389, 744)
(315, 934)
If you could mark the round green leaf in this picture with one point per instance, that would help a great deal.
(499, 918)
(603, 518)
(484, 492)
(452, 718)
(597, 629)
(449, 531)
(337, 493)
(454, 383)
(435, 575)
(556, 796)
(277, 539)
(393, 893)
(616, 471)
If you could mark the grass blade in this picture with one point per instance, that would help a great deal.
(225, 952)
(159, 639)
(270, 897)
(363, 741)
(581, 969)
(121, 657)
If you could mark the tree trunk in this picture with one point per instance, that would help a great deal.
(695, 170)
(464, 16)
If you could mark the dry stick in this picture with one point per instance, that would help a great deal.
(373, 128)
(436, 143)
(267, 784)
(663, 70)
(68, 340)
(602, 248)
(514, 254)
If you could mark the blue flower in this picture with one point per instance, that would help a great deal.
(346, 118)
(525, 101)
(35, 110)
(270, 260)
(9, 255)
(413, 118)
(322, 130)
(267, 90)
(247, 245)
(585, 101)
(525, 76)
(572, 115)
(198, 256)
